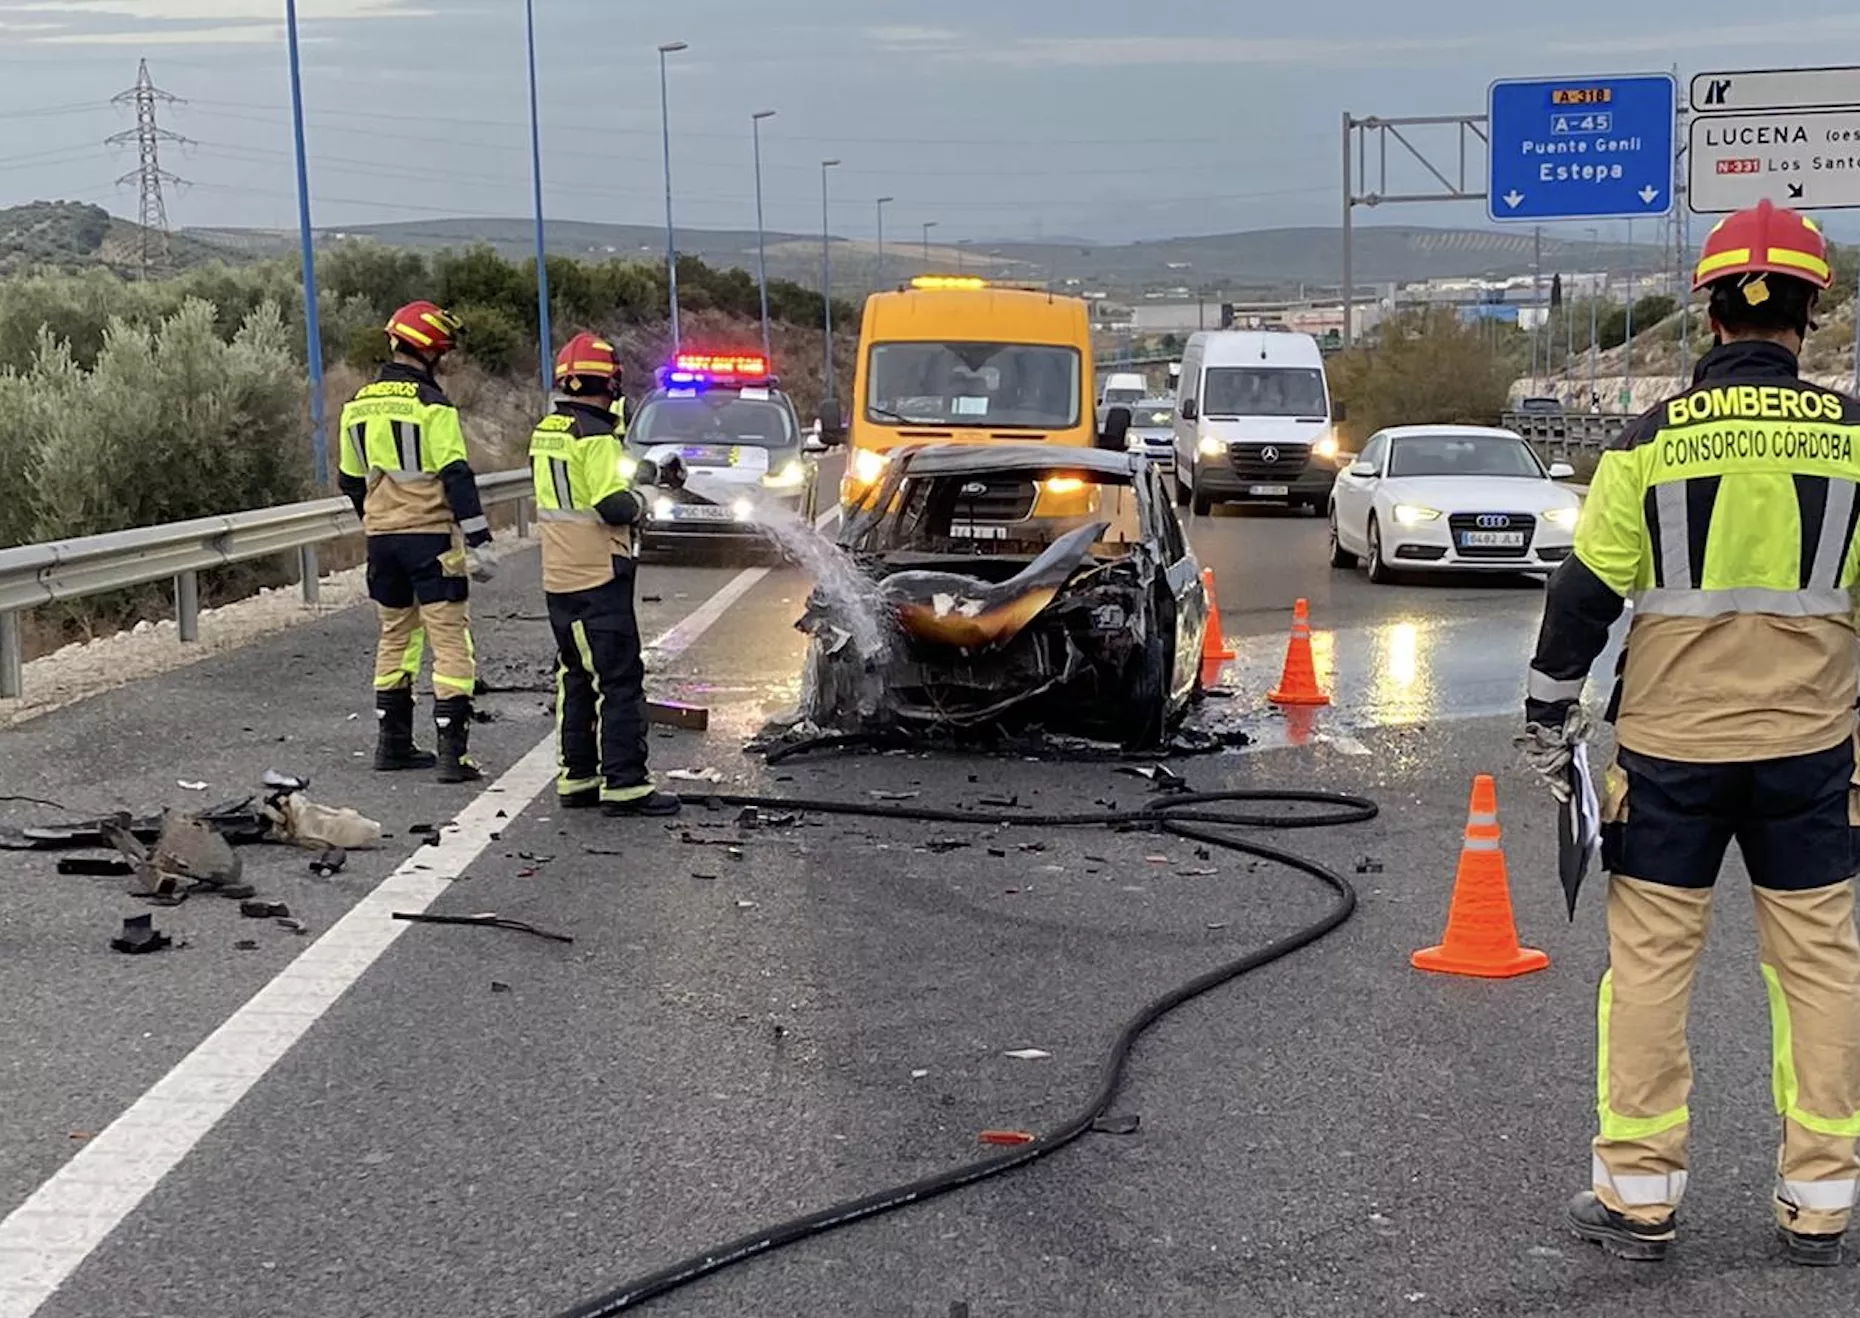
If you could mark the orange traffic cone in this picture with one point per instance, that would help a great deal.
(1213, 643)
(1482, 937)
(1298, 685)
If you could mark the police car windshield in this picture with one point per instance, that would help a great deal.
(975, 384)
(1238, 391)
(1459, 455)
(716, 418)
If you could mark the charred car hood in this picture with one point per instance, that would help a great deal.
(949, 608)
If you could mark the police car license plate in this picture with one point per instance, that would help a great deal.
(975, 531)
(701, 512)
(1269, 491)
(1491, 539)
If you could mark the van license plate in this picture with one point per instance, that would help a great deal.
(973, 531)
(1269, 491)
(1491, 539)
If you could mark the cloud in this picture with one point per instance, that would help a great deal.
(182, 22)
(1109, 52)
(914, 40)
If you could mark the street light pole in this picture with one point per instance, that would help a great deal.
(313, 334)
(545, 341)
(826, 270)
(762, 263)
(928, 225)
(671, 244)
(882, 203)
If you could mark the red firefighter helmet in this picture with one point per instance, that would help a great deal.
(425, 328)
(587, 361)
(1765, 240)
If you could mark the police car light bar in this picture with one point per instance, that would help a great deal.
(721, 366)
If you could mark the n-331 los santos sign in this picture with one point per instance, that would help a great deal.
(1791, 135)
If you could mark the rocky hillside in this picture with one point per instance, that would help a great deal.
(67, 235)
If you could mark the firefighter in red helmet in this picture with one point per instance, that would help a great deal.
(1727, 515)
(405, 468)
(588, 501)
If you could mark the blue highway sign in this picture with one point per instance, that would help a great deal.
(1581, 148)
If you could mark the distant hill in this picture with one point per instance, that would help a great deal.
(65, 235)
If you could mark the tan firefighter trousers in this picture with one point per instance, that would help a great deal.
(1811, 967)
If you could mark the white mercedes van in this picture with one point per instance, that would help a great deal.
(1254, 421)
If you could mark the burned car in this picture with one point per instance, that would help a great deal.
(963, 610)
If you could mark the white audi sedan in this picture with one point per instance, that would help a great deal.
(1451, 499)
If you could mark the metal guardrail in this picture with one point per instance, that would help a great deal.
(32, 575)
(1560, 434)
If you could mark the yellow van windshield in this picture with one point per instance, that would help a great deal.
(1014, 385)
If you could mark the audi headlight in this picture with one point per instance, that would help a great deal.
(868, 465)
(1212, 447)
(1325, 448)
(1564, 519)
(1411, 514)
(790, 477)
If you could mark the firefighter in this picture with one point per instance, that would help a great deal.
(586, 508)
(1727, 515)
(405, 468)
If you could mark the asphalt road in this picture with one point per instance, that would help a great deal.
(382, 1119)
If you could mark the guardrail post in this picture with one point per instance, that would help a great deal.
(187, 605)
(523, 519)
(12, 658)
(307, 569)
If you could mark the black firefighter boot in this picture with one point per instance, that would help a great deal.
(452, 716)
(1637, 1242)
(394, 748)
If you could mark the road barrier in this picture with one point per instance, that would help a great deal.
(1564, 434)
(32, 575)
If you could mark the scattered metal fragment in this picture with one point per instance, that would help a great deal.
(1196, 873)
(880, 794)
(1008, 1137)
(1117, 1124)
(265, 911)
(1369, 865)
(940, 845)
(1001, 802)
(96, 867)
(297, 927)
(498, 986)
(1027, 1054)
(187, 786)
(484, 920)
(330, 862)
(672, 714)
(140, 936)
(695, 776)
(246, 945)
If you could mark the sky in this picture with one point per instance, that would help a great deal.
(995, 119)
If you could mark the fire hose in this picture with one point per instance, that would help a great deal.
(1192, 816)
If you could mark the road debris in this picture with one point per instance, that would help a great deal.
(1160, 777)
(265, 910)
(483, 920)
(297, 927)
(1026, 1054)
(187, 786)
(695, 776)
(1369, 865)
(919, 1074)
(332, 862)
(1008, 1137)
(1196, 873)
(246, 945)
(673, 714)
(1117, 1123)
(140, 936)
(498, 986)
(880, 794)
(187, 857)
(96, 867)
(938, 846)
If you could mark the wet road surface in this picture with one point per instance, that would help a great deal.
(376, 1118)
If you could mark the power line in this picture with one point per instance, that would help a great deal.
(148, 175)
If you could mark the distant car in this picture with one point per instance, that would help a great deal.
(742, 444)
(1152, 432)
(1088, 623)
(1451, 498)
(1541, 406)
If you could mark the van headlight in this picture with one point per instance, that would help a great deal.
(1412, 514)
(1564, 519)
(1213, 447)
(868, 465)
(792, 476)
(1325, 448)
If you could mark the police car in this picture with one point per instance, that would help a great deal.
(747, 461)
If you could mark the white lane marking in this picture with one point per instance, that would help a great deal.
(45, 1239)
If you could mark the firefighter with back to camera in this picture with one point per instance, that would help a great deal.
(1727, 516)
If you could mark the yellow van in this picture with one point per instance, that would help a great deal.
(954, 360)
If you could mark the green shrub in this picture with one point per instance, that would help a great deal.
(1426, 367)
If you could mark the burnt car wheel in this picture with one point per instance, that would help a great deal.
(1146, 724)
